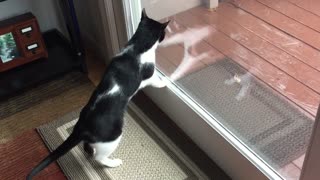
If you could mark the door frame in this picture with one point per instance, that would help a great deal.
(310, 169)
(227, 151)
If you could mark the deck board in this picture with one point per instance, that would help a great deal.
(277, 41)
(280, 39)
(166, 66)
(295, 91)
(280, 21)
(175, 54)
(275, 56)
(312, 6)
(295, 12)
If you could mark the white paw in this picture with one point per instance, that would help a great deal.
(111, 162)
(115, 162)
(161, 84)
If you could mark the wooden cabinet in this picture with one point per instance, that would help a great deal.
(26, 44)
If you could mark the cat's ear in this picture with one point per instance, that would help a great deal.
(164, 25)
(143, 14)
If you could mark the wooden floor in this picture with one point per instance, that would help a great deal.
(278, 42)
(23, 148)
(20, 155)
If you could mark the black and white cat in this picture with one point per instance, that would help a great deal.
(101, 120)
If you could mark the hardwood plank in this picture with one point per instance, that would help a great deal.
(289, 44)
(197, 56)
(196, 48)
(295, 91)
(282, 60)
(96, 67)
(280, 21)
(176, 54)
(312, 6)
(44, 112)
(166, 66)
(20, 155)
(57, 175)
(203, 47)
(295, 12)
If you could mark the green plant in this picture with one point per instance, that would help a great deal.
(8, 38)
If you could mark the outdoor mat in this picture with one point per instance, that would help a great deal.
(146, 152)
(253, 112)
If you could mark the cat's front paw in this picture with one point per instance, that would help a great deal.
(160, 84)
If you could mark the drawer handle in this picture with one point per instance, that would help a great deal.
(32, 46)
(26, 30)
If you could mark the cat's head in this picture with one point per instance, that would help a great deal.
(150, 31)
(156, 28)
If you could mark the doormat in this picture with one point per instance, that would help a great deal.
(253, 112)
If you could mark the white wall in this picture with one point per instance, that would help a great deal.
(46, 11)
(159, 9)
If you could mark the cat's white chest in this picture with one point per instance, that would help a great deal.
(150, 55)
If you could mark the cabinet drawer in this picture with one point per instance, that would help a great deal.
(34, 48)
(27, 31)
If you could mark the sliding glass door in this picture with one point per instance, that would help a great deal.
(244, 86)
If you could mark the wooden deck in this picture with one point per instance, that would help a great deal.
(276, 41)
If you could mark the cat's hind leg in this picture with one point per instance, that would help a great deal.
(104, 149)
(88, 149)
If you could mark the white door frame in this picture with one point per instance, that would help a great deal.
(220, 144)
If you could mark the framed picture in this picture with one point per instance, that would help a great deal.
(8, 48)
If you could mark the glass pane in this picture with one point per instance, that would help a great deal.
(253, 65)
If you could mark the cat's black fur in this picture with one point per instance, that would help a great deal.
(101, 120)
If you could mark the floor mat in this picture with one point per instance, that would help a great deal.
(146, 153)
(263, 120)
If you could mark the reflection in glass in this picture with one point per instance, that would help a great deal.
(257, 77)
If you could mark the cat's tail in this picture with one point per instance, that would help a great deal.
(66, 146)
